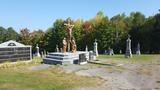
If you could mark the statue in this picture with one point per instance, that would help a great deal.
(73, 43)
(64, 45)
(69, 27)
(95, 47)
(128, 47)
(57, 49)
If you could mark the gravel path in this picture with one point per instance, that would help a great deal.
(121, 75)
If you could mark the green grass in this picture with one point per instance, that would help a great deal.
(144, 57)
(22, 78)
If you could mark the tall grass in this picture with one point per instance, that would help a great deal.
(35, 60)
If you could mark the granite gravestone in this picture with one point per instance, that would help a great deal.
(138, 52)
(128, 48)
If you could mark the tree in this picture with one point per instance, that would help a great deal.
(25, 36)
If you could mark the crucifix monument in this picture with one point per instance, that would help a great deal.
(71, 44)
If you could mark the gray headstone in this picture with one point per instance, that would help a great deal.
(86, 49)
(128, 48)
(138, 51)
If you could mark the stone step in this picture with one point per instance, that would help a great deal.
(61, 54)
(61, 57)
(55, 61)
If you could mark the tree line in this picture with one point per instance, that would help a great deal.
(109, 32)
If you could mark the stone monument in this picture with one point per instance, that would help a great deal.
(128, 48)
(38, 54)
(69, 27)
(138, 51)
(95, 48)
(69, 54)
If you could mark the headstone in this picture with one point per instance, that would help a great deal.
(38, 54)
(92, 56)
(138, 52)
(110, 51)
(82, 58)
(86, 49)
(45, 53)
(95, 48)
(120, 51)
(42, 54)
(128, 48)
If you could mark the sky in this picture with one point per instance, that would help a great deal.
(41, 14)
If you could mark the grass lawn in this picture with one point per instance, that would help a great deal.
(143, 57)
(22, 78)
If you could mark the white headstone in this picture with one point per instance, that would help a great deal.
(138, 52)
(128, 48)
(38, 54)
(86, 49)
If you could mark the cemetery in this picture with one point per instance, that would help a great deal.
(110, 51)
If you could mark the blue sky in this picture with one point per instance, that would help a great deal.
(40, 14)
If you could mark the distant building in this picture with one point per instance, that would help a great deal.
(13, 51)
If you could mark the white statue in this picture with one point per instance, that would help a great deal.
(95, 48)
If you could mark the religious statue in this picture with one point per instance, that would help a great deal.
(57, 49)
(69, 27)
(95, 48)
(64, 45)
(73, 43)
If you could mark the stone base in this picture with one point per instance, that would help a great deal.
(64, 58)
(128, 54)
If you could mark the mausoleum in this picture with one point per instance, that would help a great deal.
(13, 51)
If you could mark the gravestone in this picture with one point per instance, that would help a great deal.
(92, 56)
(128, 48)
(82, 58)
(38, 54)
(138, 52)
(120, 51)
(95, 48)
(110, 51)
(86, 49)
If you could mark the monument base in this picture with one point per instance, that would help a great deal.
(128, 54)
(79, 57)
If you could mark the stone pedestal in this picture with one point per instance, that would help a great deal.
(65, 58)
